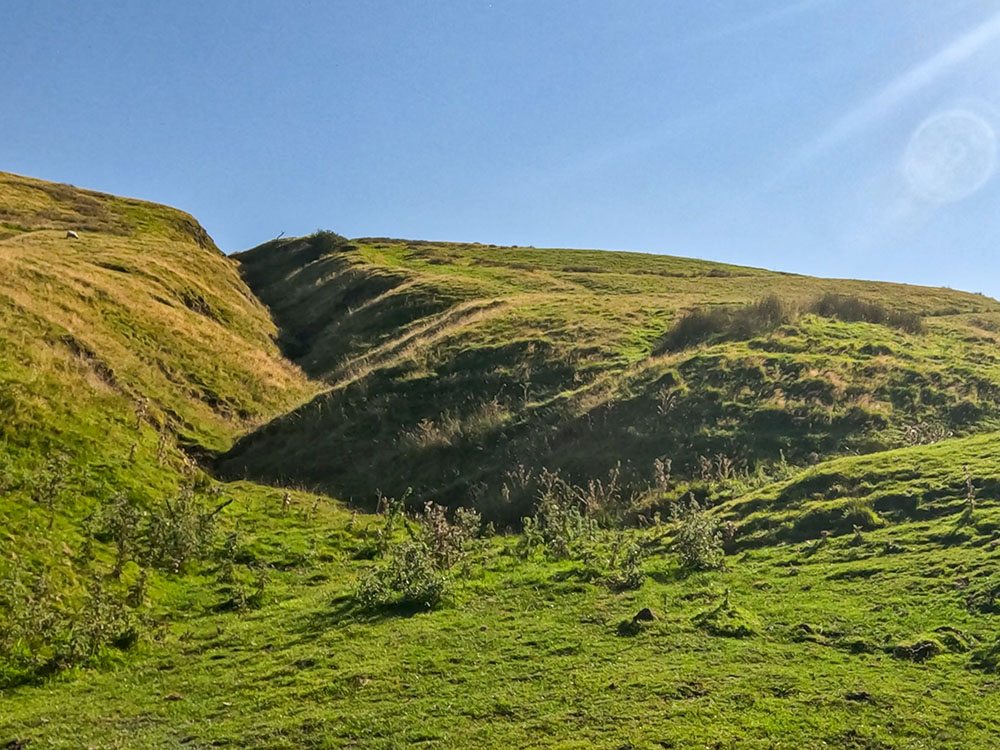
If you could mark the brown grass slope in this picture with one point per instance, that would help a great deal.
(143, 304)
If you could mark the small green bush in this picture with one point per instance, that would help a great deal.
(42, 633)
(411, 578)
(698, 540)
(179, 532)
(447, 541)
(560, 524)
(625, 564)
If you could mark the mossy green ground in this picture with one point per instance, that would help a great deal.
(527, 654)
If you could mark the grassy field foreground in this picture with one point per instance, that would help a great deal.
(855, 641)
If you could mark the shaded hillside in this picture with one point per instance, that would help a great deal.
(461, 371)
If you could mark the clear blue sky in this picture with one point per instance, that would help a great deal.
(833, 137)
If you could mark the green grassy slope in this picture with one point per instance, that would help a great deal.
(531, 653)
(124, 355)
(462, 370)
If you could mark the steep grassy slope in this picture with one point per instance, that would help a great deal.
(462, 370)
(123, 353)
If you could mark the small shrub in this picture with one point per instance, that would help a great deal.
(625, 564)
(392, 511)
(410, 578)
(42, 633)
(560, 524)
(448, 542)
(227, 555)
(51, 483)
(605, 501)
(118, 522)
(698, 540)
(180, 531)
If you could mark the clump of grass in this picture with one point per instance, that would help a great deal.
(743, 322)
(728, 620)
(726, 323)
(926, 433)
(919, 650)
(988, 657)
(854, 309)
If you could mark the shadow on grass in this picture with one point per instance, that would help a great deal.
(346, 610)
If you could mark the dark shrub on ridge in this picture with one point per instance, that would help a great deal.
(726, 323)
(854, 309)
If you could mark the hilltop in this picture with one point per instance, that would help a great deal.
(127, 354)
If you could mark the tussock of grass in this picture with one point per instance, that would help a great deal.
(726, 323)
(855, 309)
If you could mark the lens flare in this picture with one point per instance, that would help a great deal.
(951, 155)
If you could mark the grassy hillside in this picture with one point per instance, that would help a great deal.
(126, 353)
(758, 515)
(460, 371)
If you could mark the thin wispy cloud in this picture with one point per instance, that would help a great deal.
(762, 20)
(899, 91)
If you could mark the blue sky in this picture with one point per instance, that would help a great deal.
(849, 138)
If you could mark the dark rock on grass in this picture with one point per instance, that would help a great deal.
(644, 615)
(630, 628)
(858, 696)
